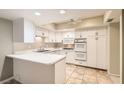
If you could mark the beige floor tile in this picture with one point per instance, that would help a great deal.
(104, 80)
(80, 71)
(70, 66)
(102, 73)
(115, 79)
(83, 75)
(91, 72)
(90, 79)
(74, 81)
(76, 75)
(67, 77)
(81, 67)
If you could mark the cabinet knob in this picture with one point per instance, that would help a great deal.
(96, 33)
(66, 53)
(96, 38)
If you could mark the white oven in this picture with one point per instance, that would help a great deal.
(81, 49)
(81, 45)
(81, 56)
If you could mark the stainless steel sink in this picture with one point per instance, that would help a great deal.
(42, 50)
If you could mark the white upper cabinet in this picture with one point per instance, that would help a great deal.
(78, 34)
(59, 37)
(54, 37)
(68, 37)
(23, 31)
(51, 36)
(81, 34)
(70, 34)
(41, 32)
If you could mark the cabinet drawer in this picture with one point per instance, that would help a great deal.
(80, 62)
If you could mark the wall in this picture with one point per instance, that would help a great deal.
(6, 29)
(122, 43)
(25, 46)
(88, 22)
(114, 47)
(18, 46)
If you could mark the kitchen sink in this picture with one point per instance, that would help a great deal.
(41, 50)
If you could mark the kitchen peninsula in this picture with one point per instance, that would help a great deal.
(35, 67)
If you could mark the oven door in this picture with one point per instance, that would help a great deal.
(80, 47)
(81, 56)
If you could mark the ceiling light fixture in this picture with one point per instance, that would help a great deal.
(37, 13)
(62, 11)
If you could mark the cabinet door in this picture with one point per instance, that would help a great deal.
(68, 34)
(70, 57)
(91, 52)
(101, 52)
(101, 31)
(23, 31)
(29, 31)
(51, 36)
(78, 34)
(91, 33)
(58, 36)
(84, 34)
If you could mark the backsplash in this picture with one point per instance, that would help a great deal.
(37, 45)
(25, 46)
(28, 46)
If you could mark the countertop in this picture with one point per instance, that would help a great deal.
(44, 58)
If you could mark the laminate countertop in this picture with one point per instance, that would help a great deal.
(44, 58)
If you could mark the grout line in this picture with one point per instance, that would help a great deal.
(83, 75)
(71, 74)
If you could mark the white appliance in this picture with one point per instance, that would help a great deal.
(81, 49)
(80, 45)
(80, 56)
(68, 41)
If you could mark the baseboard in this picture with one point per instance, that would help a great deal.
(113, 74)
(8, 79)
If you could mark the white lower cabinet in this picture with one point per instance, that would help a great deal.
(80, 62)
(70, 56)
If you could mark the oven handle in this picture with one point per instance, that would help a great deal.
(80, 60)
(80, 52)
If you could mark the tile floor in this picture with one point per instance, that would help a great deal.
(83, 75)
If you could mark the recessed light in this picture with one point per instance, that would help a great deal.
(62, 11)
(37, 13)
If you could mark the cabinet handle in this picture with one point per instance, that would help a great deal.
(96, 33)
(96, 38)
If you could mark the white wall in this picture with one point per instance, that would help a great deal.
(114, 47)
(6, 29)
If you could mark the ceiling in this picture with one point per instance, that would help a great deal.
(49, 15)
